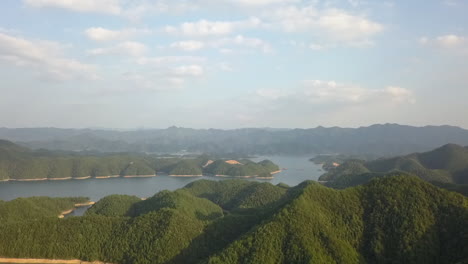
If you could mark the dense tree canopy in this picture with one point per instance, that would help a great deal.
(19, 163)
(392, 219)
(446, 166)
(22, 209)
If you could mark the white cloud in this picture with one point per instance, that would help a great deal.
(98, 6)
(131, 9)
(451, 41)
(332, 24)
(43, 58)
(344, 26)
(129, 48)
(168, 71)
(261, 2)
(189, 70)
(399, 95)
(137, 9)
(240, 40)
(169, 60)
(222, 43)
(164, 76)
(203, 28)
(293, 18)
(102, 34)
(189, 45)
(332, 92)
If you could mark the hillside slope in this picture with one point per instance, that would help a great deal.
(399, 219)
(19, 163)
(445, 165)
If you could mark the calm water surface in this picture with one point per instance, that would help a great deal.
(298, 169)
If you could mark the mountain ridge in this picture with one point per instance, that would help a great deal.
(394, 219)
(378, 140)
(447, 164)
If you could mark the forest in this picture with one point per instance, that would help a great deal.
(446, 167)
(391, 219)
(20, 163)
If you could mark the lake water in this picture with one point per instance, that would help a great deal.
(298, 169)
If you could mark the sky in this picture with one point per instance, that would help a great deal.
(233, 63)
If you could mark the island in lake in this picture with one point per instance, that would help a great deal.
(18, 163)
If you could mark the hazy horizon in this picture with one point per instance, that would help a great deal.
(234, 128)
(233, 63)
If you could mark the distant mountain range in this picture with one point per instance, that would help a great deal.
(375, 140)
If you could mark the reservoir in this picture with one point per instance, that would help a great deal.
(297, 170)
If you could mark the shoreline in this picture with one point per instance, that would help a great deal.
(75, 206)
(107, 177)
(134, 176)
(250, 177)
(85, 204)
(62, 214)
(47, 261)
(28, 180)
(173, 175)
(82, 178)
(242, 177)
(139, 176)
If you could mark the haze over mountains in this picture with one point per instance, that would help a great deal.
(375, 140)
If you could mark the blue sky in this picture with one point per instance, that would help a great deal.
(232, 63)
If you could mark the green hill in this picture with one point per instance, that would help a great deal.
(18, 163)
(113, 205)
(242, 169)
(350, 167)
(187, 167)
(8, 147)
(445, 165)
(33, 208)
(235, 194)
(391, 220)
(398, 219)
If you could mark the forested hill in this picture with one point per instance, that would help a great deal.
(19, 163)
(377, 140)
(445, 165)
(397, 219)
